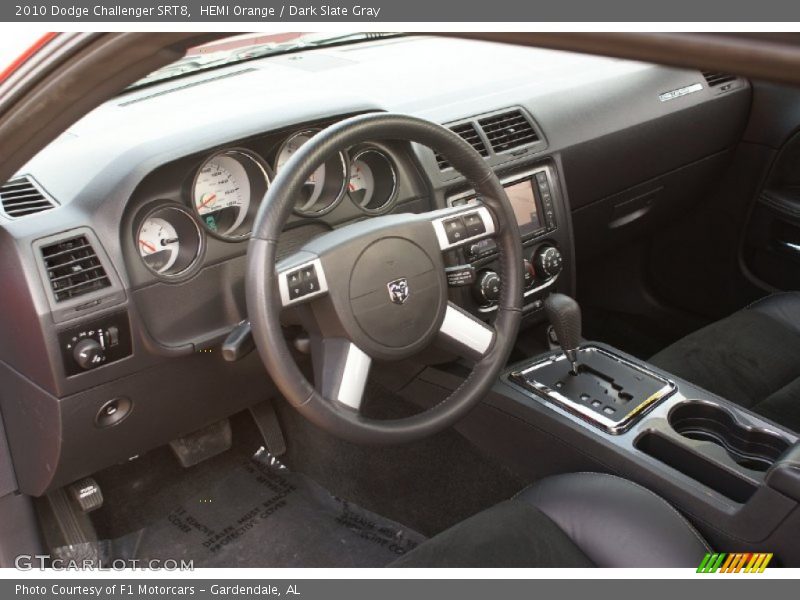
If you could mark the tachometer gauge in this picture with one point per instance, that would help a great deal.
(169, 241)
(226, 192)
(325, 187)
(158, 244)
(373, 181)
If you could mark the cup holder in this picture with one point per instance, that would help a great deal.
(752, 448)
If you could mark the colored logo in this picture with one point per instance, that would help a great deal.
(739, 562)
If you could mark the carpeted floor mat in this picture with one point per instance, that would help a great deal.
(262, 515)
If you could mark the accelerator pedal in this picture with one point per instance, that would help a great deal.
(267, 421)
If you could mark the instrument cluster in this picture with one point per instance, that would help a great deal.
(228, 187)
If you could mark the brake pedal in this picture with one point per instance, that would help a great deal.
(203, 444)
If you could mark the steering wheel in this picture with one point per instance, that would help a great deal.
(376, 289)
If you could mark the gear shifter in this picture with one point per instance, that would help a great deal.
(564, 315)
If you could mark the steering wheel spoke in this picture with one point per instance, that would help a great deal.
(304, 280)
(340, 370)
(465, 334)
(455, 227)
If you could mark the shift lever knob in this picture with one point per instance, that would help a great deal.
(564, 315)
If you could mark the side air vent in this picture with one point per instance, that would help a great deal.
(73, 268)
(21, 197)
(470, 134)
(508, 130)
(713, 78)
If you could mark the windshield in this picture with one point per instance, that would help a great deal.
(251, 46)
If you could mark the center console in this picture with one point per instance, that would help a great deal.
(736, 475)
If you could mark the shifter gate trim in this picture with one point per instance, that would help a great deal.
(525, 380)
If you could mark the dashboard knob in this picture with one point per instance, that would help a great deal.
(548, 261)
(88, 353)
(487, 287)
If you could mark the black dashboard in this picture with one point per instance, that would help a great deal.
(121, 289)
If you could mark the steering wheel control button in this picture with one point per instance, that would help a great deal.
(302, 283)
(474, 224)
(309, 281)
(295, 281)
(455, 230)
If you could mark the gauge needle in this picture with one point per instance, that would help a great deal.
(148, 245)
(206, 201)
(167, 242)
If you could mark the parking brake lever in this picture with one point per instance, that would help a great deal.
(564, 315)
(239, 342)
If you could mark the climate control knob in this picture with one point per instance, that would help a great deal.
(487, 287)
(88, 353)
(548, 261)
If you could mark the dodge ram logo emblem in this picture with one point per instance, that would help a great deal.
(398, 290)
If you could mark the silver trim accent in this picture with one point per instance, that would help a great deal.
(790, 246)
(482, 211)
(283, 282)
(390, 200)
(235, 153)
(345, 174)
(526, 293)
(614, 427)
(354, 377)
(467, 330)
(680, 92)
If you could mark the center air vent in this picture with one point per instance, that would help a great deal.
(508, 130)
(470, 134)
(713, 78)
(73, 268)
(21, 197)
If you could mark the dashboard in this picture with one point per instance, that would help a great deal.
(122, 287)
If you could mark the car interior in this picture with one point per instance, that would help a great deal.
(409, 301)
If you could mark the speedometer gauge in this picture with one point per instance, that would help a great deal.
(227, 188)
(325, 187)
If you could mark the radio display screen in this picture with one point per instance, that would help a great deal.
(524, 204)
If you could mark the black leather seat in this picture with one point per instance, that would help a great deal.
(751, 357)
(576, 520)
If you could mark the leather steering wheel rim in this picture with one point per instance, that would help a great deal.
(264, 303)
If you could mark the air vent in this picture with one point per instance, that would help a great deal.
(73, 268)
(22, 197)
(713, 79)
(508, 130)
(470, 134)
